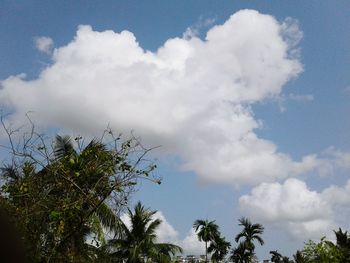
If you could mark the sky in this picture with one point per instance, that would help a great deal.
(249, 101)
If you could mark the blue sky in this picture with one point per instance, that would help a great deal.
(270, 141)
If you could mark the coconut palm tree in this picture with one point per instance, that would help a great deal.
(219, 247)
(207, 231)
(137, 243)
(249, 234)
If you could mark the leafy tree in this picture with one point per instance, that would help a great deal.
(326, 251)
(137, 243)
(249, 234)
(207, 231)
(322, 252)
(62, 193)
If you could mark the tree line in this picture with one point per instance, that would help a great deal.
(61, 201)
(323, 251)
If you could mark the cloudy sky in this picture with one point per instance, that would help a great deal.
(249, 101)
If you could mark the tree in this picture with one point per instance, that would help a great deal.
(137, 243)
(275, 256)
(62, 193)
(343, 244)
(240, 254)
(322, 252)
(298, 257)
(207, 231)
(249, 234)
(286, 259)
(219, 247)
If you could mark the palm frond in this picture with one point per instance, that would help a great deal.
(109, 219)
(63, 146)
(9, 172)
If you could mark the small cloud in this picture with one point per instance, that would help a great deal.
(44, 44)
(301, 98)
(194, 30)
(283, 99)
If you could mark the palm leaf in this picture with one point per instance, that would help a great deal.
(63, 146)
(108, 219)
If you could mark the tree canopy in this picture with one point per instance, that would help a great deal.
(63, 192)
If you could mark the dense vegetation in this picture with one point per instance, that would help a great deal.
(65, 198)
(63, 193)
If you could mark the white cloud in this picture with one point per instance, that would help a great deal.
(297, 209)
(165, 232)
(191, 245)
(194, 31)
(44, 44)
(340, 158)
(282, 99)
(192, 96)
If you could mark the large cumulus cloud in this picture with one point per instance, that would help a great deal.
(295, 208)
(192, 96)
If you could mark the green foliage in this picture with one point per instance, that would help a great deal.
(208, 232)
(241, 253)
(137, 243)
(250, 232)
(343, 244)
(322, 252)
(61, 196)
(276, 257)
(299, 257)
(219, 248)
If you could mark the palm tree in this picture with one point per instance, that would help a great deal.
(240, 254)
(298, 257)
(275, 256)
(219, 247)
(207, 231)
(137, 243)
(343, 244)
(285, 259)
(250, 233)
